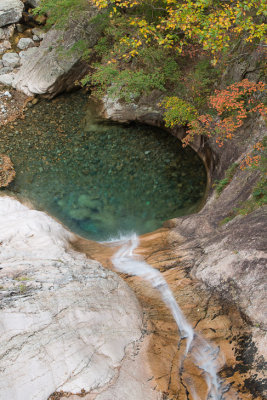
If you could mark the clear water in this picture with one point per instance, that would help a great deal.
(100, 179)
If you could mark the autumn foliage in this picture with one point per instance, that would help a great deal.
(253, 159)
(176, 24)
(232, 106)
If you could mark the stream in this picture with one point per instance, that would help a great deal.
(203, 353)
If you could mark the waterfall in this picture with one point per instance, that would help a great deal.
(203, 354)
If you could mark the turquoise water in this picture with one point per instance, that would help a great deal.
(100, 179)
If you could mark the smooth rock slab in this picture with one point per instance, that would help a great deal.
(10, 11)
(26, 54)
(55, 66)
(66, 322)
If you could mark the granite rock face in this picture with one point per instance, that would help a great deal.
(56, 64)
(66, 323)
(7, 79)
(146, 110)
(10, 11)
(230, 256)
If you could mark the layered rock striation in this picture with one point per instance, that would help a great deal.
(67, 324)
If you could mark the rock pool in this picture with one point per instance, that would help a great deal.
(100, 179)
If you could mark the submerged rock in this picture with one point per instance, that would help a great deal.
(85, 200)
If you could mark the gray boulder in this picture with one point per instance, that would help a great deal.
(7, 32)
(7, 79)
(11, 60)
(57, 64)
(10, 11)
(24, 43)
(4, 46)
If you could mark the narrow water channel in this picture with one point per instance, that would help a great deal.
(100, 179)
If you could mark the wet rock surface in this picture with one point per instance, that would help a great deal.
(241, 350)
(230, 256)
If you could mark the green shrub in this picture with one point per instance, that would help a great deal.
(229, 174)
(178, 111)
(126, 84)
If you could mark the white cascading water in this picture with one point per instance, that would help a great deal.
(204, 355)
